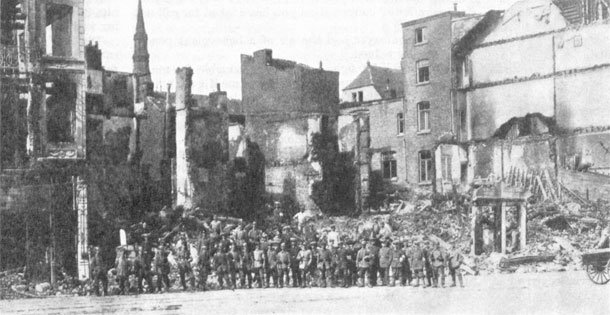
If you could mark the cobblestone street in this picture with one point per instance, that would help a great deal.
(536, 293)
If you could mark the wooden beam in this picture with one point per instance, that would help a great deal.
(523, 229)
(473, 226)
(544, 194)
(503, 227)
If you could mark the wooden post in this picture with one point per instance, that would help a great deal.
(503, 228)
(523, 229)
(473, 227)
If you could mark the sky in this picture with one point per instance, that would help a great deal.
(210, 35)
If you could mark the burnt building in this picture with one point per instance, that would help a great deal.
(43, 118)
(284, 103)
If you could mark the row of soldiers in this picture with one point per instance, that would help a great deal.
(258, 261)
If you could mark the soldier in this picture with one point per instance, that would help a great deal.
(363, 261)
(340, 258)
(162, 268)
(122, 268)
(184, 264)
(297, 281)
(221, 262)
(203, 262)
(271, 266)
(264, 246)
(258, 256)
(245, 273)
(455, 259)
(416, 261)
(352, 268)
(406, 267)
(98, 272)
(397, 265)
(437, 259)
(373, 250)
(142, 270)
(234, 258)
(428, 273)
(305, 261)
(254, 234)
(324, 259)
(386, 256)
(283, 266)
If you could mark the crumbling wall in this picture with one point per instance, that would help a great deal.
(592, 149)
(275, 177)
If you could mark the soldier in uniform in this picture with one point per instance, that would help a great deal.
(297, 281)
(386, 256)
(373, 249)
(325, 270)
(258, 256)
(428, 273)
(352, 268)
(305, 258)
(220, 262)
(234, 257)
(184, 264)
(406, 267)
(416, 261)
(162, 268)
(363, 261)
(203, 262)
(271, 266)
(122, 269)
(397, 265)
(340, 262)
(98, 272)
(245, 273)
(455, 260)
(142, 270)
(283, 266)
(437, 259)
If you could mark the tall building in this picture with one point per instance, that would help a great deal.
(141, 57)
(431, 117)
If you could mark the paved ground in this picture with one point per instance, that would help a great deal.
(541, 293)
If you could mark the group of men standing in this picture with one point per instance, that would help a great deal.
(247, 258)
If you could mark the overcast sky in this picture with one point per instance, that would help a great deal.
(210, 35)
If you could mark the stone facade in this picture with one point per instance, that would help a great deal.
(284, 104)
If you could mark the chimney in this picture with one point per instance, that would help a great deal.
(368, 63)
(321, 67)
(455, 6)
(167, 100)
(217, 87)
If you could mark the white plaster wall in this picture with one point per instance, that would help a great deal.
(291, 143)
(528, 17)
(583, 99)
(491, 107)
(183, 185)
(521, 58)
(369, 94)
(594, 49)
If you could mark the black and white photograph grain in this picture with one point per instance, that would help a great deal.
(186, 157)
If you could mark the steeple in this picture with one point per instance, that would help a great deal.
(141, 58)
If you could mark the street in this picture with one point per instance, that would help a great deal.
(535, 293)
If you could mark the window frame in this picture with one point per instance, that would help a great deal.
(424, 38)
(425, 172)
(446, 167)
(400, 123)
(426, 111)
(389, 158)
(420, 65)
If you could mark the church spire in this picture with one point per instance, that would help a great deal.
(141, 58)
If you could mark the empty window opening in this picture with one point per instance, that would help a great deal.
(61, 106)
(420, 35)
(58, 30)
(400, 123)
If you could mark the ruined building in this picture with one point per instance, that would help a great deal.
(284, 103)
(544, 112)
(43, 119)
